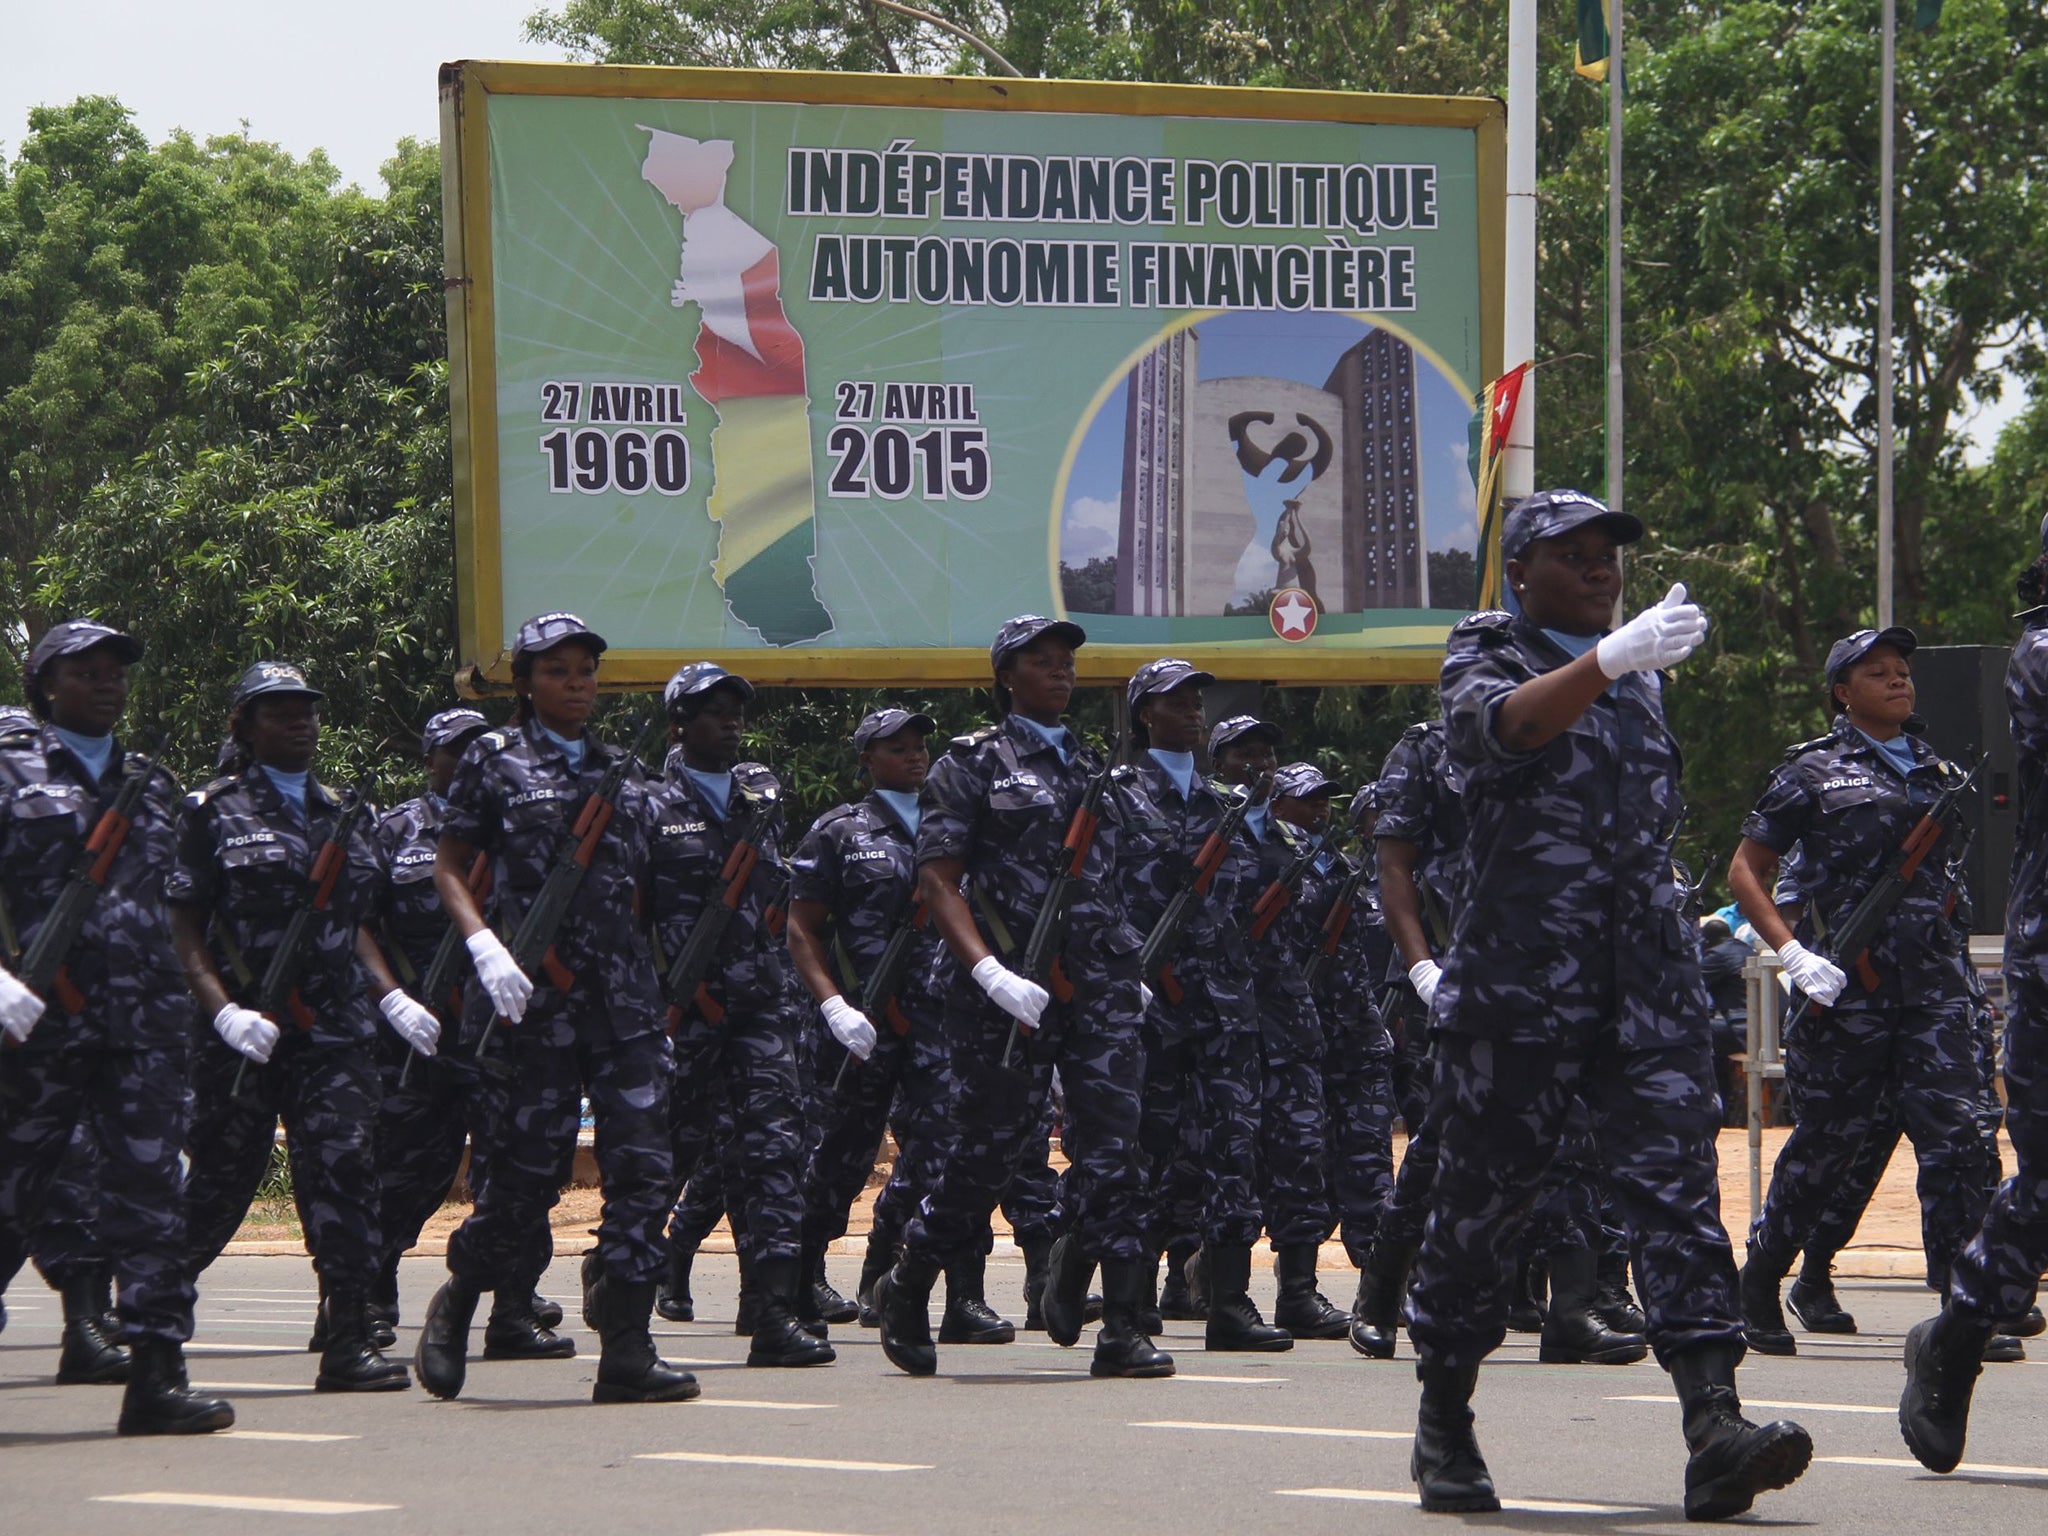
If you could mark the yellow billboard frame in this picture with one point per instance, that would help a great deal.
(466, 88)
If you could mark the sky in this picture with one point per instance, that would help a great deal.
(352, 79)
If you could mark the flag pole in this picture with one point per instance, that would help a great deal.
(1518, 329)
(1888, 91)
(1614, 384)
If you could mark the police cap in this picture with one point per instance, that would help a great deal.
(1027, 627)
(1366, 800)
(545, 631)
(75, 636)
(451, 728)
(1234, 727)
(274, 678)
(1303, 781)
(1163, 676)
(1850, 649)
(693, 680)
(884, 723)
(1550, 513)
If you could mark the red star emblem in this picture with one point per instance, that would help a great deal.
(1293, 614)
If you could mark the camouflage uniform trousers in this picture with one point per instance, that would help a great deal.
(532, 1148)
(1358, 1159)
(748, 1062)
(850, 1130)
(1841, 1064)
(1201, 1133)
(421, 1129)
(997, 1117)
(66, 1245)
(924, 1134)
(1414, 1074)
(134, 1105)
(1567, 1213)
(327, 1096)
(1293, 1125)
(1036, 1202)
(1998, 1270)
(702, 1204)
(1501, 1111)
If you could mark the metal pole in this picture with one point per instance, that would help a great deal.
(1518, 330)
(1614, 395)
(1888, 90)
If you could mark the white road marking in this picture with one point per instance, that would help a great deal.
(252, 1386)
(244, 1349)
(258, 1290)
(1771, 1402)
(1279, 1429)
(280, 1434)
(779, 1533)
(1229, 1381)
(1525, 1506)
(248, 1505)
(748, 1402)
(810, 1463)
(1990, 1468)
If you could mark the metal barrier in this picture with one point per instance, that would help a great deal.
(1764, 1002)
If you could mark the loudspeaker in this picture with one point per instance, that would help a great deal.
(1961, 695)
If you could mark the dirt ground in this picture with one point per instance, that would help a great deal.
(1887, 1244)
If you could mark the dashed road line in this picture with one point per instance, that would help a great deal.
(805, 1463)
(1278, 1429)
(1519, 1506)
(749, 1402)
(244, 1504)
(1228, 1381)
(1989, 1468)
(283, 1435)
(1771, 1402)
(244, 1349)
(252, 1386)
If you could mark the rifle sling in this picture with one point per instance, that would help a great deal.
(998, 930)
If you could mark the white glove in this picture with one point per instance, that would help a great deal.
(504, 983)
(1022, 1000)
(1822, 980)
(415, 1025)
(247, 1031)
(1657, 637)
(1425, 976)
(850, 1027)
(19, 1007)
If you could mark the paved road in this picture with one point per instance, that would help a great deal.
(1015, 1439)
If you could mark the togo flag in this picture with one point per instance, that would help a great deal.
(1590, 59)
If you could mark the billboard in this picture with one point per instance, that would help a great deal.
(823, 376)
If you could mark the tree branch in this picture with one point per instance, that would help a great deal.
(985, 49)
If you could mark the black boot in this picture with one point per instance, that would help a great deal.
(159, 1400)
(1175, 1300)
(2004, 1349)
(672, 1297)
(779, 1339)
(1376, 1314)
(384, 1308)
(1195, 1270)
(1526, 1311)
(1122, 1348)
(588, 1273)
(1150, 1319)
(825, 1299)
(746, 1316)
(1573, 1333)
(1611, 1300)
(1763, 1316)
(968, 1318)
(1037, 1264)
(1812, 1298)
(110, 1319)
(1732, 1459)
(90, 1356)
(903, 1298)
(351, 1363)
(628, 1368)
(515, 1331)
(441, 1358)
(1448, 1470)
(809, 1306)
(1234, 1324)
(2026, 1326)
(879, 1259)
(545, 1312)
(1943, 1356)
(1301, 1309)
(1066, 1291)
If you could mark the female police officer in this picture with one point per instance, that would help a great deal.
(1848, 801)
(590, 1023)
(110, 1044)
(996, 809)
(1569, 971)
(247, 849)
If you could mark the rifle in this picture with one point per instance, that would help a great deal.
(1049, 928)
(438, 987)
(277, 996)
(1336, 921)
(1854, 931)
(886, 979)
(1155, 960)
(1277, 897)
(686, 981)
(533, 942)
(42, 963)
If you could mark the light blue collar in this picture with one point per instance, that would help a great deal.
(1255, 821)
(95, 752)
(1179, 767)
(716, 787)
(904, 803)
(292, 786)
(1898, 751)
(1058, 737)
(1576, 646)
(573, 748)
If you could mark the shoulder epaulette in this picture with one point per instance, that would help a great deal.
(832, 817)
(1123, 773)
(1800, 749)
(756, 776)
(16, 739)
(211, 788)
(1486, 618)
(497, 740)
(974, 739)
